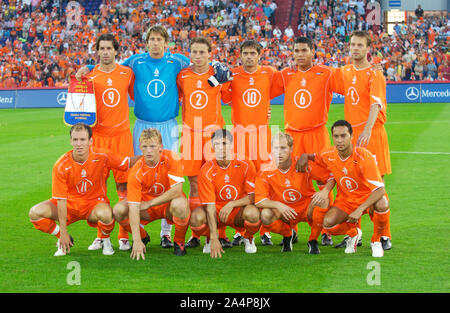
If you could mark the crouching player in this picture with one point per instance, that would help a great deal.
(226, 190)
(79, 191)
(155, 191)
(360, 188)
(284, 195)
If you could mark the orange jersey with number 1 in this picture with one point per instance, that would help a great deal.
(111, 96)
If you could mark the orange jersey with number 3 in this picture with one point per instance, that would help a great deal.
(249, 96)
(362, 88)
(201, 103)
(356, 177)
(111, 96)
(289, 187)
(307, 96)
(217, 185)
(74, 181)
(146, 182)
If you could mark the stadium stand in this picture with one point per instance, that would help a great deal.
(38, 50)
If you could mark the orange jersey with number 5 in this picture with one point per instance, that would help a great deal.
(111, 96)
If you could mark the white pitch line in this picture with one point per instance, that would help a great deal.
(420, 152)
(417, 122)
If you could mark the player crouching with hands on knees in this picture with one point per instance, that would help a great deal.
(79, 191)
(155, 191)
(285, 195)
(360, 188)
(226, 190)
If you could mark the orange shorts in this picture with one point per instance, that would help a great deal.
(379, 147)
(158, 212)
(196, 149)
(80, 209)
(230, 221)
(350, 206)
(310, 141)
(253, 143)
(121, 145)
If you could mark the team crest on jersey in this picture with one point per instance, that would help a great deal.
(354, 80)
(287, 183)
(83, 173)
(109, 82)
(156, 73)
(199, 84)
(303, 82)
(251, 81)
(227, 178)
(344, 170)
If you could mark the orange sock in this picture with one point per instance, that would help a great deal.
(222, 233)
(202, 230)
(194, 202)
(251, 229)
(47, 225)
(386, 231)
(105, 229)
(181, 226)
(281, 228)
(317, 222)
(380, 221)
(263, 230)
(123, 234)
(125, 224)
(344, 228)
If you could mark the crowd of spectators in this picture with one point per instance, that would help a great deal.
(38, 49)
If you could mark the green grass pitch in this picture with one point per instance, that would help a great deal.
(31, 140)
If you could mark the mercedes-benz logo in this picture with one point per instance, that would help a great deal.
(61, 98)
(412, 93)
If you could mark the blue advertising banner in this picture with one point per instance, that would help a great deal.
(417, 92)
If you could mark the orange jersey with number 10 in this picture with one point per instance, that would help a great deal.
(249, 96)
(111, 96)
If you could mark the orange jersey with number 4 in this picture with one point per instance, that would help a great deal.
(249, 96)
(307, 96)
(362, 88)
(201, 103)
(111, 96)
(217, 185)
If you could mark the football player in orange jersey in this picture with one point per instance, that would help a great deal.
(364, 88)
(201, 112)
(284, 195)
(359, 185)
(226, 189)
(248, 94)
(308, 91)
(112, 84)
(155, 191)
(79, 191)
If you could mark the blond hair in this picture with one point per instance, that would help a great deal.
(277, 137)
(149, 134)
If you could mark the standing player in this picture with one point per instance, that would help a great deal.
(156, 96)
(112, 84)
(249, 96)
(365, 107)
(359, 188)
(155, 191)
(201, 109)
(79, 191)
(308, 92)
(284, 195)
(226, 188)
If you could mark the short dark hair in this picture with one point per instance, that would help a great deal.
(81, 126)
(158, 29)
(305, 40)
(362, 34)
(201, 40)
(251, 44)
(107, 37)
(222, 133)
(342, 123)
